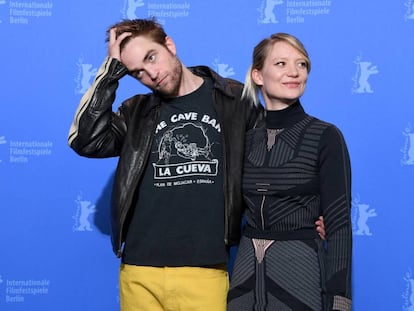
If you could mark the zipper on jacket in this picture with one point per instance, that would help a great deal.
(261, 211)
(262, 188)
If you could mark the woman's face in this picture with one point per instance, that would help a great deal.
(283, 77)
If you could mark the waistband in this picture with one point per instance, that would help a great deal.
(301, 234)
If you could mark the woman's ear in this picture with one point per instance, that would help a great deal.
(257, 77)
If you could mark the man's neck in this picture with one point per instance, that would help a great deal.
(189, 82)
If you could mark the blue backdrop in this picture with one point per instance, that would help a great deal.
(55, 248)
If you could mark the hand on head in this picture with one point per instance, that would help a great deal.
(115, 40)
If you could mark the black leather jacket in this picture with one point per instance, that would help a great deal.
(98, 132)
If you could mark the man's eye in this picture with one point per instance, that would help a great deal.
(137, 74)
(280, 64)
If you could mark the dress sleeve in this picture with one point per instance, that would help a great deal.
(335, 190)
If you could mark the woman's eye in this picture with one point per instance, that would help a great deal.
(151, 58)
(303, 65)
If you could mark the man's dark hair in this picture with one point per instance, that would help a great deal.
(149, 28)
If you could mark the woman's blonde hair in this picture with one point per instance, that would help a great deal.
(260, 52)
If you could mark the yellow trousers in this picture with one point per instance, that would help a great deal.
(173, 288)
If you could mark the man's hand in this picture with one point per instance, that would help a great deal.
(320, 227)
(114, 43)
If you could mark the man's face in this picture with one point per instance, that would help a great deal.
(154, 65)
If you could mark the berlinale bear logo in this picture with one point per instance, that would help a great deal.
(83, 210)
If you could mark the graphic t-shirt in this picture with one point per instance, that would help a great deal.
(179, 216)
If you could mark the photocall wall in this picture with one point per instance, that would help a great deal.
(54, 230)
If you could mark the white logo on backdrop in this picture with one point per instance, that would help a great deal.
(408, 294)
(408, 149)
(364, 69)
(83, 210)
(410, 9)
(361, 213)
(117, 298)
(1, 3)
(160, 10)
(267, 15)
(2, 142)
(130, 8)
(85, 75)
(223, 69)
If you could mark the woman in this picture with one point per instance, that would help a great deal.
(296, 167)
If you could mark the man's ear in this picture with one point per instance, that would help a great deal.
(257, 77)
(169, 43)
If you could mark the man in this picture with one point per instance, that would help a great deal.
(177, 205)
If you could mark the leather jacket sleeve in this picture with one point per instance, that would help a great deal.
(96, 130)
